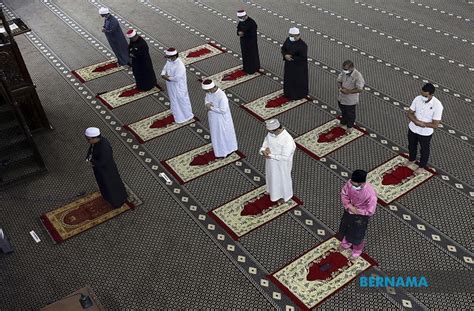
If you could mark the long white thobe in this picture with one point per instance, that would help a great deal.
(278, 166)
(221, 125)
(178, 91)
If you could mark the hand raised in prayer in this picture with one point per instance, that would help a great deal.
(288, 57)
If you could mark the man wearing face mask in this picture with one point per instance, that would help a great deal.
(247, 31)
(115, 37)
(295, 55)
(142, 66)
(425, 115)
(221, 126)
(174, 73)
(350, 83)
(278, 149)
(359, 199)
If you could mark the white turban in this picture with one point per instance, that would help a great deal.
(131, 33)
(294, 31)
(272, 124)
(208, 84)
(171, 52)
(103, 11)
(241, 13)
(92, 132)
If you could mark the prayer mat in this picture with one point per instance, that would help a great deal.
(200, 53)
(271, 105)
(79, 216)
(250, 211)
(231, 77)
(96, 71)
(198, 162)
(319, 273)
(326, 138)
(394, 178)
(124, 95)
(155, 126)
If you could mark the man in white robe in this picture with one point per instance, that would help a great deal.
(223, 138)
(278, 149)
(174, 73)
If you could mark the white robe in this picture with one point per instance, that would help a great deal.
(223, 138)
(178, 91)
(278, 167)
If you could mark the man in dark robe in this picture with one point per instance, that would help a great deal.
(247, 31)
(142, 66)
(100, 155)
(295, 55)
(115, 37)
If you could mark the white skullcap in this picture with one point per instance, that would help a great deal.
(131, 33)
(294, 31)
(171, 52)
(208, 84)
(272, 124)
(103, 11)
(92, 132)
(241, 13)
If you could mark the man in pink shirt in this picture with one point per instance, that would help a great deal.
(360, 200)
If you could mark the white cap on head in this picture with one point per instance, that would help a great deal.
(92, 132)
(294, 31)
(272, 124)
(171, 52)
(208, 84)
(131, 33)
(103, 11)
(241, 13)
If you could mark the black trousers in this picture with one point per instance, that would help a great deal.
(353, 227)
(413, 140)
(348, 114)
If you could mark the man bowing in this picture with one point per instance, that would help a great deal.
(174, 73)
(142, 66)
(115, 37)
(223, 138)
(278, 149)
(101, 158)
(295, 55)
(247, 31)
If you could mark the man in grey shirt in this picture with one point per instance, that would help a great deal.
(350, 83)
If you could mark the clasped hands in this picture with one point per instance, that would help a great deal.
(344, 90)
(266, 153)
(166, 77)
(240, 33)
(209, 106)
(353, 210)
(288, 57)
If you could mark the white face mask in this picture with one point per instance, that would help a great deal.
(241, 20)
(346, 71)
(356, 187)
(292, 38)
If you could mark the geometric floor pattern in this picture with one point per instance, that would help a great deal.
(168, 253)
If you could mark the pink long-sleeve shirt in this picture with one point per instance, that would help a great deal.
(364, 200)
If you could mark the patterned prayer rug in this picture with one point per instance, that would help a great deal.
(79, 216)
(155, 126)
(199, 53)
(271, 105)
(96, 71)
(250, 211)
(394, 178)
(198, 162)
(326, 138)
(319, 273)
(231, 77)
(124, 95)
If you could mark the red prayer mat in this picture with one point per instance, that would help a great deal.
(198, 162)
(273, 104)
(395, 178)
(79, 216)
(319, 273)
(155, 126)
(232, 77)
(199, 53)
(124, 95)
(326, 138)
(249, 212)
(96, 71)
